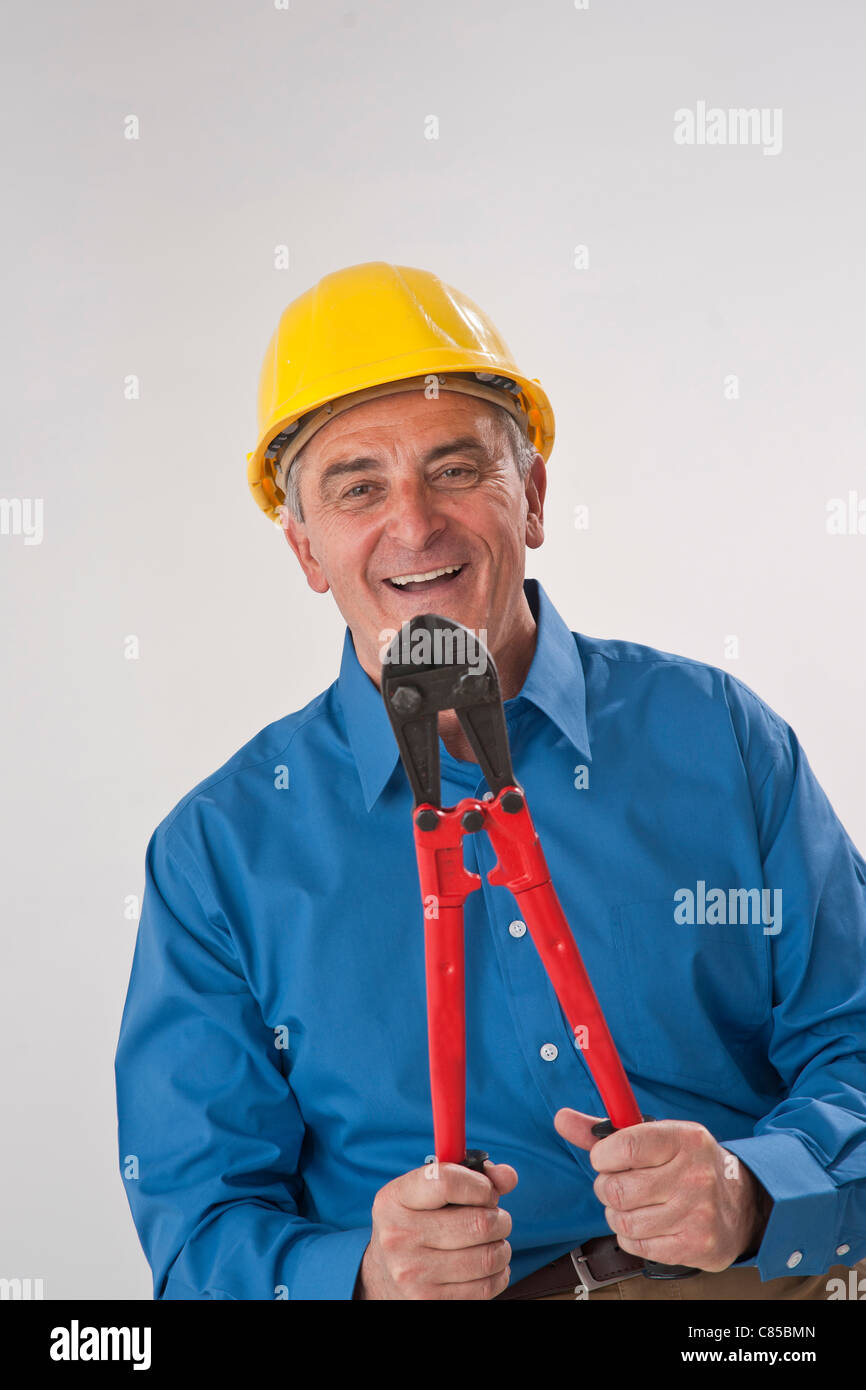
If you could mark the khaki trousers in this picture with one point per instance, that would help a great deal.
(729, 1284)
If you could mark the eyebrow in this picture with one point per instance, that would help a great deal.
(465, 443)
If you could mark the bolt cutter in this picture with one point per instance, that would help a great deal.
(415, 692)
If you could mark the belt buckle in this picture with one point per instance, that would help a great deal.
(587, 1279)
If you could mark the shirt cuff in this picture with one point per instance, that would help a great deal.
(801, 1233)
(327, 1265)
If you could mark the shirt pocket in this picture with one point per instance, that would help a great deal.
(693, 998)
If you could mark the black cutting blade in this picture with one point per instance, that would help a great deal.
(435, 664)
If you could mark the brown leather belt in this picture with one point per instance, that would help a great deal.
(593, 1264)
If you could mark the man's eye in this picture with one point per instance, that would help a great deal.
(357, 490)
(457, 473)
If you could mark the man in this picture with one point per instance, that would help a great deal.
(273, 1096)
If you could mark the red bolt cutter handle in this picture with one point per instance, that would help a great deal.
(445, 884)
(522, 868)
(446, 1029)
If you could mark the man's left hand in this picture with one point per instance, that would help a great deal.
(671, 1193)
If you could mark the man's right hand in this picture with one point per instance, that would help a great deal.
(438, 1233)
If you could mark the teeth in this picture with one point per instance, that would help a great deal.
(420, 578)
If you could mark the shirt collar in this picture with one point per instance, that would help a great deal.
(554, 684)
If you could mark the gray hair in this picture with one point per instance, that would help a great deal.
(523, 452)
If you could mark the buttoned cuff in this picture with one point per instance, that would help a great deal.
(801, 1235)
(327, 1265)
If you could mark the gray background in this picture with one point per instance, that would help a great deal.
(306, 128)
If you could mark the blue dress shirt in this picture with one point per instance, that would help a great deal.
(272, 1069)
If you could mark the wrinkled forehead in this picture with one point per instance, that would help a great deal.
(416, 416)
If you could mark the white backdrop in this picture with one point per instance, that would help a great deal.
(175, 174)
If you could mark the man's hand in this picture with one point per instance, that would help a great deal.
(671, 1193)
(438, 1233)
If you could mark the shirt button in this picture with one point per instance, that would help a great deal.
(517, 928)
(550, 1052)
(842, 1249)
(793, 1260)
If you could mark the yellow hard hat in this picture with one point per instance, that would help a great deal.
(368, 330)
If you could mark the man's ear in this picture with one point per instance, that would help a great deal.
(536, 487)
(296, 535)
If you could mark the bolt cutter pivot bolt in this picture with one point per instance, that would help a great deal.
(475, 684)
(427, 820)
(406, 699)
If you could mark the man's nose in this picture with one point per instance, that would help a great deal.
(414, 520)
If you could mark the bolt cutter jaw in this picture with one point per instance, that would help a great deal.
(428, 668)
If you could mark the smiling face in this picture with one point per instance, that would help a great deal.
(416, 506)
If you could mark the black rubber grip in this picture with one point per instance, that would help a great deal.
(475, 1159)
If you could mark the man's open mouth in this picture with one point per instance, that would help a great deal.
(425, 581)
